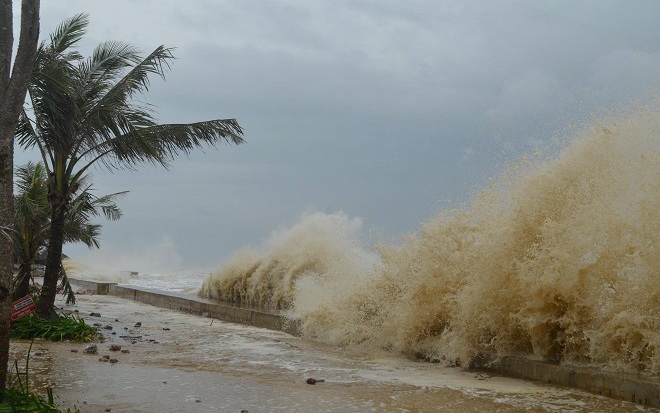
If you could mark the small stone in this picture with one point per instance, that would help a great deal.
(126, 351)
(115, 347)
(197, 401)
(94, 314)
(164, 382)
(108, 409)
(73, 350)
(114, 333)
(106, 357)
(117, 320)
(103, 359)
(91, 349)
(113, 361)
(244, 411)
(314, 381)
(138, 324)
(108, 327)
(97, 324)
(166, 328)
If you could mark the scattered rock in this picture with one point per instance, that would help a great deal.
(164, 382)
(166, 328)
(126, 351)
(106, 357)
(113, 333)
(244, 411)
(94, 314)
(108, 327)
(91, 349)
(74, 350)
(103, 359)
(115, 347)
(108, 409)
(117, 320)
(138, 324)
(314, 381)
(97, 324)
(113, 361)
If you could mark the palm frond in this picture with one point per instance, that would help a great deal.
(66, 288)
(83, 208)
(108, 60)
(135, 81)
(68, 33)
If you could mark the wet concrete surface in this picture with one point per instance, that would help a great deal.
(184, 363)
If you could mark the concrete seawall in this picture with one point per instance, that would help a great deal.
(638, 389)
(634, 388)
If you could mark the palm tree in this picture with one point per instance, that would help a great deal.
(32, 213)
(85, 112)
(32, 223)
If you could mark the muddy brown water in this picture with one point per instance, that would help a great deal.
(184, 363)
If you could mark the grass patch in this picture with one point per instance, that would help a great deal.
(17, 397)
(58, 328)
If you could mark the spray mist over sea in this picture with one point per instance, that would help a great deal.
(155, 264)
(557, 259)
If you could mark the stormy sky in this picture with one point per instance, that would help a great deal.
(385, 110)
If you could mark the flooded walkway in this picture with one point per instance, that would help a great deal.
(184, 363)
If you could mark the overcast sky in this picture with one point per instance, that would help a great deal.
(386, 110)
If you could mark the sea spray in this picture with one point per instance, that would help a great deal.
(157, 263)
(320, 248)
(82, 269)
(557, 259)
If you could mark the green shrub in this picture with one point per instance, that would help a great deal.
(58, 328)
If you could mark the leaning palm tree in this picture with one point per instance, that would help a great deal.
(32, 221)
(85, 112)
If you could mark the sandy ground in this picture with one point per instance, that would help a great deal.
(185, 363)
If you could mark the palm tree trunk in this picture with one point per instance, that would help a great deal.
(13, 86)
(24, 277)
(53, 260)
(6, 247)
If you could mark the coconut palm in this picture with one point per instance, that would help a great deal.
(32, 215)
(85, 111)
(32, 223)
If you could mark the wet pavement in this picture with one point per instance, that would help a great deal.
(185, 363)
